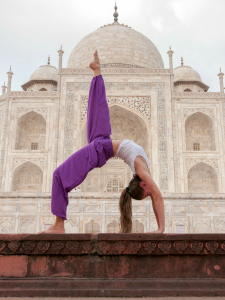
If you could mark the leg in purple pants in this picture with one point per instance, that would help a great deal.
(99, 149)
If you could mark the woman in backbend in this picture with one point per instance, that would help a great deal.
(100, 148)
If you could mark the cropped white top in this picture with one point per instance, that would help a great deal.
(128, 151)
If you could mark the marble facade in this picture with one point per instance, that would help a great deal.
(168, 112)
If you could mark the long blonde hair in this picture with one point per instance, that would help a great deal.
(135, 191)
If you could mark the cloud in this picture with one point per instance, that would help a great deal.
(31, 30)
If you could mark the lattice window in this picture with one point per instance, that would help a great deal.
(113, 227)
(138, 227)
(92, 227)
(180, 228)
(115, 186)
(196, 146)
(34, 146)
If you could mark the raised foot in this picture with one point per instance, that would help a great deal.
(96, 62)
(53, 229)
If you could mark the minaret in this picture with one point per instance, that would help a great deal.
(221, 82)
(3, 88)
(10, 73)
(170, 53)
(115, 15)
(60, 59)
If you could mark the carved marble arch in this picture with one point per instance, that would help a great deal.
(126, 124)
(199, 131)
(202, 178)
(31, 132)
(187, 90)
(28, 177)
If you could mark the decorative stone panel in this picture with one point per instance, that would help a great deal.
(69, 121)
(190, 162)
(41, 162)
(140, 104)
(33, 94)
(202, 95)
(23, 110)
(189, 111)
(119, 70)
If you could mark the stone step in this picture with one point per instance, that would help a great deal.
(71, 287)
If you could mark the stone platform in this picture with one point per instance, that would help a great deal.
(112, 265)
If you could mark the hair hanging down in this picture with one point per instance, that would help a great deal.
(134, 191)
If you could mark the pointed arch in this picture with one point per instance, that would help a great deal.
(31, 132)
(202, 178)
(199, 132)
(27, 177)
(126, 124)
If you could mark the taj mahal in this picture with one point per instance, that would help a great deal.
(169, 112)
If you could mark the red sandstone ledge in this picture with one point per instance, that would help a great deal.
(112, 244)
(113, 265)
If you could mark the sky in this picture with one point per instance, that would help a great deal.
(31, 30)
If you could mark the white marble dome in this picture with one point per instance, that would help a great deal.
(116, 44)
(46, 72)
(186, 73)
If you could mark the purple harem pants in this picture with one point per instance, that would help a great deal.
(99, 149)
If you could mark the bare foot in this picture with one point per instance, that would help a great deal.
(54, 229)
(96, 62)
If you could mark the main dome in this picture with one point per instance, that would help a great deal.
(117, 44)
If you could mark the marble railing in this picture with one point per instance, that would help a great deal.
(115, 265)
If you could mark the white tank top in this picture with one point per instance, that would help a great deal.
(128, 151)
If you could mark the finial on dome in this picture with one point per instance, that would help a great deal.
(115, 15)
(49, 60)
(10, 68)
(182, 61)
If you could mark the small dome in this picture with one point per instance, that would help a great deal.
(186, 73)
(46, 72)
(116, 44)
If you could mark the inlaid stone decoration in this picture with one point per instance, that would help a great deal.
(140, 104)
(24, 110)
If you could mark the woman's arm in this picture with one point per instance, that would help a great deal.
(156, 196)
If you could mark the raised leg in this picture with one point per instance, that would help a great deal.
(98, 118)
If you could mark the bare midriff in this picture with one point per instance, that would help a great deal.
(116, 144)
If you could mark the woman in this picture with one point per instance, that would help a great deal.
(100, 148)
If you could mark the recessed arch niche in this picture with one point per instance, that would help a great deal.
(125, 125)
(31, 132)
(28, 177)
(199, 129)
(202, 178)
